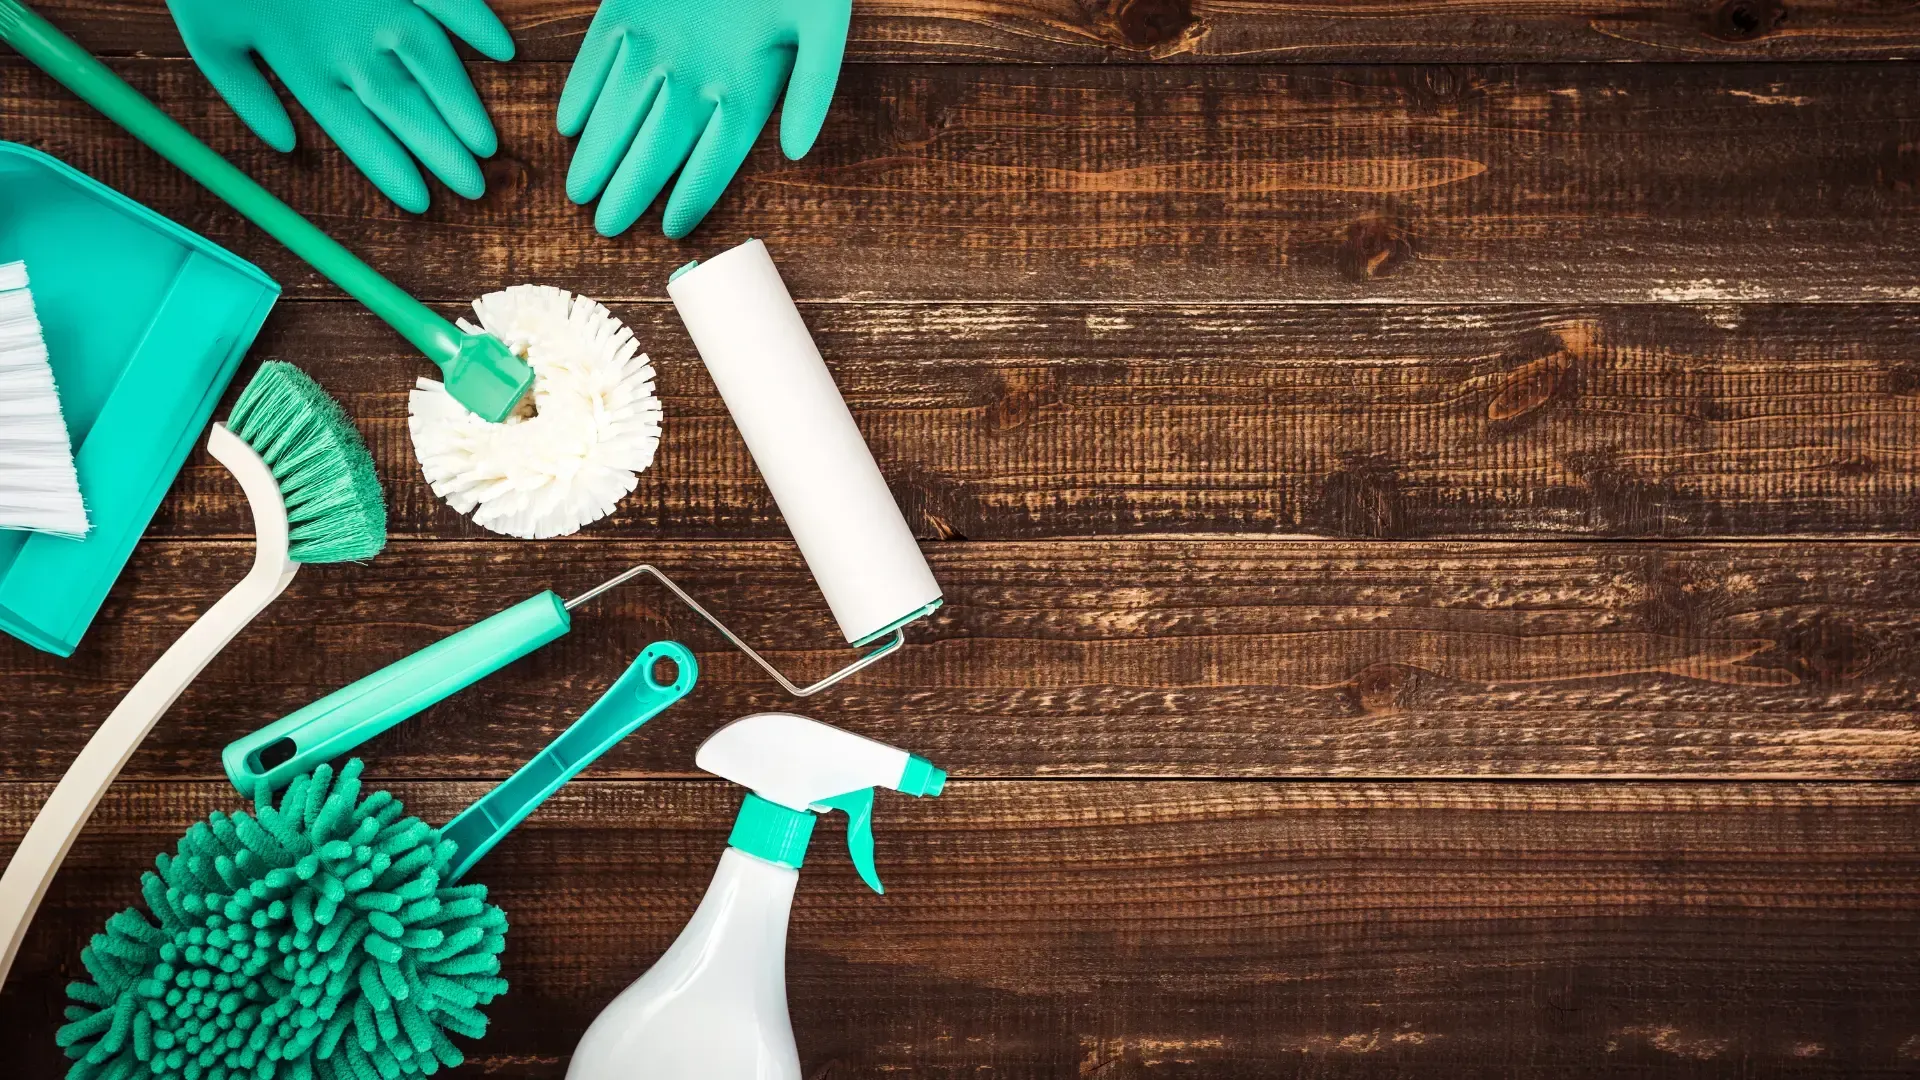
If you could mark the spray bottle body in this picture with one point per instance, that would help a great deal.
(714, 1006)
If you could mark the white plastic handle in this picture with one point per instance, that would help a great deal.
(40, 853)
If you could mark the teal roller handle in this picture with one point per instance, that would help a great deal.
(351, 715)
(635, 698)
(480, 372)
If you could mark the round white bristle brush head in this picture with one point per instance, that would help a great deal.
(568, 457)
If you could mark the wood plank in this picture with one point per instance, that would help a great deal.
(1178, 929)
(1587, 184)
(1225, 31)
(1005, 421)
(1169, 658)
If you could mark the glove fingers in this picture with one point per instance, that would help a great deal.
(816, 70)
(237, 78)
(729, 137)
(369, 144)
(588, 75)
(403, 107)
(660, 149)
(632, 92)
(430, 58)
(475, 23)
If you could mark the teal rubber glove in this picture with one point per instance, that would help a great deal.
(665, 86)
(375, 74)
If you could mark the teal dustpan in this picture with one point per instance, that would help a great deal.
(145, 323)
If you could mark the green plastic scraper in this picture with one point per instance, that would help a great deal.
(635, 697)
(481, 372)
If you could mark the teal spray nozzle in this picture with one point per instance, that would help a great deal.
(773, 832)
(798, 769)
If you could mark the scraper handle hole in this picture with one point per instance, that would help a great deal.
(273, 755)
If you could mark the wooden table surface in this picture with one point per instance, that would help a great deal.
(1426, 495)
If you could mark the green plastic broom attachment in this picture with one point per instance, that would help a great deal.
(335, 511)
(481, 373)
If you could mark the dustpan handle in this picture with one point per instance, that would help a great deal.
(634, 698)
(77, 70)
(297, 743)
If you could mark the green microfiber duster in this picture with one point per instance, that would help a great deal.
(313, 941)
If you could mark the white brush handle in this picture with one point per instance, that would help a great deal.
(66, 811)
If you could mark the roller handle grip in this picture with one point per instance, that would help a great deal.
(299, 742)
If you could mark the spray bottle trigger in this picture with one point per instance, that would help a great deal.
(859, 809)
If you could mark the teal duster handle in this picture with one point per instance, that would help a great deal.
(634, 698)
(481, 373)
(299, 742)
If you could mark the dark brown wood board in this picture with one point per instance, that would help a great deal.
(1200, 929)
(1428, 515)
(1225, 31)
(1167, 658)
(1529, 183)
(1028, 421)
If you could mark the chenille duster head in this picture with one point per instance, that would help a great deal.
(319, 940)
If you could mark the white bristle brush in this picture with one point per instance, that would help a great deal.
(38, 487)
(571, 452)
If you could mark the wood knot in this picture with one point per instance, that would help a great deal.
(942, 507)
(1383, 689)
(1372, 249)
(1828, 651)
(1745, 20)
(1533, 384)
(1442, 85)
(1148, 24)
(1529, 386)
(1363, 499)
(1023, 396)
(1903, 379)
(506, 173)
(917, 123)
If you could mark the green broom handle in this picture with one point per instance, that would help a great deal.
(76, 69)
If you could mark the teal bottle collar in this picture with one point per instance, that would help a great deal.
(772, 832)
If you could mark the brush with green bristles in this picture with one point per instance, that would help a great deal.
(310, 482)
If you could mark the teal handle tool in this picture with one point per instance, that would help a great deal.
(299, 742)
(480, 372)
(635, 698)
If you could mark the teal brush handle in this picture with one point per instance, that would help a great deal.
(297, 743)
(457, 353)
(634, 698)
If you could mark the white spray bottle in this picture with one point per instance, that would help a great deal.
(714, 1006)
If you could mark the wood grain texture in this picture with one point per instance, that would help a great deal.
(1226, 31)
(1582, 184)
(1312, 411)
(1171, 658)
(1014, 421)
(1188, 930)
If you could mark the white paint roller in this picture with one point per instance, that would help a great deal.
(804, 441)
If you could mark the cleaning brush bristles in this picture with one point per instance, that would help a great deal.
(39, 488)
(335, 511)
(315, 941)
(567, 462)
